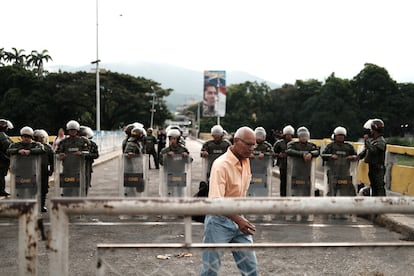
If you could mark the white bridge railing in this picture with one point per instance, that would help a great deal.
(187, 207)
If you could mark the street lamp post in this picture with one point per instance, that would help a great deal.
(98, 94)
(152, 108)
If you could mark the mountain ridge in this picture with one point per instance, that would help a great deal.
(187, 84)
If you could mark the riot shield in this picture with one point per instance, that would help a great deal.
(175, 176)
(134, 173)
(340, 176)
(260, 185)
(300, 177)
(206, 163)
(70, 176)
(25, 177)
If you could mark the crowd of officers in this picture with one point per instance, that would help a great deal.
(302, 148)
(78, 141)
(139, 140)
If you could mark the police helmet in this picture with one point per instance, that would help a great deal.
(9, 125)
(5, 124)
(173, 133)
(377, 125)
(137, 132)
(128, 129)
(150, 129)
(217, 130)
(41, 135)
(45, 135)
(367, 124)
(72, 124)
(303, 132)
(340, 131)
(89, 133)
(288, 130)
(82, 131)
(260, 132)
(27, 131)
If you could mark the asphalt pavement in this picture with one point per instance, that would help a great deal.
(401, 223)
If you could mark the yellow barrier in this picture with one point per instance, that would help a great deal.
(402, 180)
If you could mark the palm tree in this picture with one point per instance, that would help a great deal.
(36, 59)
(16, 57)
(2, 56)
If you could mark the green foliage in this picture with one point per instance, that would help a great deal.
(322, 106)
(30, 96)
(51, 101)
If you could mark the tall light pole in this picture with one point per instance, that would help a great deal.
(152, 107)
(98, 88)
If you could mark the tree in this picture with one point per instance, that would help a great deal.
(16, 57)
(2, 56)
(377, 96)
(37, 59)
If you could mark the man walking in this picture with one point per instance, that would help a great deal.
(230, 177)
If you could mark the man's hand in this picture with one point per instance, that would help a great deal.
(244, 225)
(307, 156)
(24, 152)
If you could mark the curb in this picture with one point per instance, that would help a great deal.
(391, 223)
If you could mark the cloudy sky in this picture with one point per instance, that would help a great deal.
(280, 41)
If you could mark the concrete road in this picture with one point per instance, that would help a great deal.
(87, 231)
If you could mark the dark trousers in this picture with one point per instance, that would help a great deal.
(3, 173)
(44, 186)
(155, 156)
(283, 181)
(376, 175)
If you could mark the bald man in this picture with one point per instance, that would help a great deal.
(230, 177)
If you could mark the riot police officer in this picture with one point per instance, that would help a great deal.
(215, 147)
(302, 153)
(174, 146)
(149, 142)
(162, 141)
(69, 149)
(73, 142)
(134, 144)
(5, 142)
(47, 165)
(127, 131)
(374, 156)
(262, 147)
(279, 149)
(87, 132)
(338, 154)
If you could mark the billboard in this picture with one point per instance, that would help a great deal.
(214, 95)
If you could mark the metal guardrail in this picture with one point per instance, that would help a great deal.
(62, 208)
(27, 212)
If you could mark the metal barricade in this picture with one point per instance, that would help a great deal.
(26, 212)
(187, 207)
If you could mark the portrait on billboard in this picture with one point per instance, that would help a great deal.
(214, 94)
